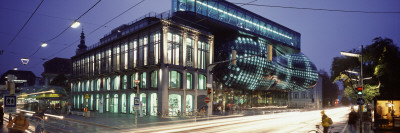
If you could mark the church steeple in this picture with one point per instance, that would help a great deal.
(82, 46)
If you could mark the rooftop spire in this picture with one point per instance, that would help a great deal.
(82, 44)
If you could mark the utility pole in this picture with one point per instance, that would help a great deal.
(360, 110)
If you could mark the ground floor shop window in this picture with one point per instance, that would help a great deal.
(97, 102)
(174, 104)
(153, 104)
(82, 102)
(91, 102)
(189, 103)
(107, 102)
(123, 101)
(144, 101)
(115, 103)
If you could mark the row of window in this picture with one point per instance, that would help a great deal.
(303, 95)
(142, 51)
(117, 83)
(119, 103)
(227, 13)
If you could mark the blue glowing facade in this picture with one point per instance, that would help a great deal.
(235, 28)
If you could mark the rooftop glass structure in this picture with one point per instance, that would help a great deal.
(240, 18)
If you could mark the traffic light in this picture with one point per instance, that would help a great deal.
(209, 91)
(234, 57)
(359, 90)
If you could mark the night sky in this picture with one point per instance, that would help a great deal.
(323, 33)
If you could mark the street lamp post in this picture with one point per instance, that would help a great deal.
(137, 94)
(361, 79)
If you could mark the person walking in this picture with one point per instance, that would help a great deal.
(353, 117)
(19, 124)
(326, 121)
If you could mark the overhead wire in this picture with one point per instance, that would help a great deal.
(50, 16)
(75, 20)
(59, 51)
(98, 27)
(66, 28)
(320, 9)
(16, 35)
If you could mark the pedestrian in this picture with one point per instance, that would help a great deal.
(18, 124)
(1, 114)
(353, 117)
(202, 111)
(326, 121)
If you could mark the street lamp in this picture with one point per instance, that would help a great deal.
(349, 54)
(137, 86)
(351, 71)
(44, 45)
(361, 77)
(24, 61)
(75, 24)
(137, 95)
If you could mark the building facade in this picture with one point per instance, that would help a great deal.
(311, 98)
(169, 59)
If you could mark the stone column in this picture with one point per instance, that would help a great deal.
(163, 92)
(195, 82)
(184, 85)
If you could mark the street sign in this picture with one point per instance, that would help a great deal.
(360, 101)
(209, 86)
(87, 96)
(19, 81)
(136, 101)
(10, 104)
(207, 100)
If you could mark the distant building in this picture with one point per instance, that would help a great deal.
(21, 75)
(54, 67)
(311, 98)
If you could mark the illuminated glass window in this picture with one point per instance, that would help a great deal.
(133, 78)
(202, 82)
(174, 44)
(189, 81)
(189, 52)
(143, 80)
(174, 79)
(202, 54)
(108, 83)
(153, 79)
(124, 82)
(116, 82)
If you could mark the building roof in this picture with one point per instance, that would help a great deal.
(58, 66)
(20, 74)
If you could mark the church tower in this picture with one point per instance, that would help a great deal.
(82, 46)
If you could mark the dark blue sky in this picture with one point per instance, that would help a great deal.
(323, 34)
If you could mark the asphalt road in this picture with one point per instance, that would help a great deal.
(285, 122)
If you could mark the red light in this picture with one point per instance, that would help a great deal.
(359, 88)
